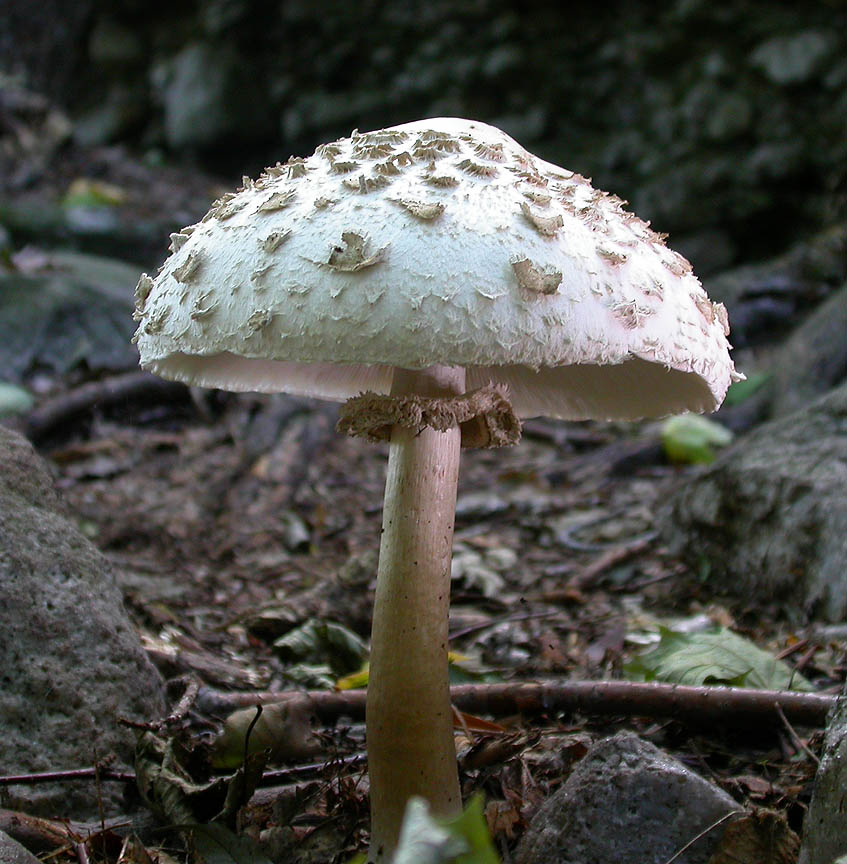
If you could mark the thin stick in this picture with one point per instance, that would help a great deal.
(132, 386)
(798, 742)
(64, 776)
(703, 833)
(738, 706)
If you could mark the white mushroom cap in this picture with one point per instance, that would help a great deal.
(437, 242)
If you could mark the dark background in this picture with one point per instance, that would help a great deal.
(722, 122)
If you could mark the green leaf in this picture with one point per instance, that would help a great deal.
(716, 656)
(462, 840)
(742, 390)
(14, 400)
(85, 192)
(215, 844)
(690, 438)
(317, 642)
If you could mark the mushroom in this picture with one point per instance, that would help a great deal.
(443, 282)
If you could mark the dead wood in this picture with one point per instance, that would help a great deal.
(731, 706)
(70, 406)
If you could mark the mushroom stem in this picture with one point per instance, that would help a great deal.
(409, 719)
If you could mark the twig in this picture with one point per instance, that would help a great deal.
(730, 705)
(249, 732)
(796, 740)
(176, 717)
(41, 835)
(137, 386)
(703, 833)
(62, 776)
(614, 556)
(639, 541)
(316, 769)
(799, 645)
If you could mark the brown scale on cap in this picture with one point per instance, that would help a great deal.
(344, 167)
(389, 167)
(178, 240)
(142, 292)
(477, 169)
(226, 211)
(631, 314)
(274, 240)
(277, 201)
(189, 268)
(259, 319)
(296, 169)
(328, 151)
(539, 198)
(422, 209)
(546, 225)
(536, 279)
(441, 181)
(614, 258)
(532, 177)
(364, 185)
(351, 257)
(373, 150)
(492, 152)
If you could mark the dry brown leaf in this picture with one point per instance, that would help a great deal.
(760, 837)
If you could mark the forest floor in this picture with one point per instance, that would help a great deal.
(233, 520)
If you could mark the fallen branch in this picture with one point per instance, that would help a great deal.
(132, 386)
(72, 774)
(736, 706)
(41, 835)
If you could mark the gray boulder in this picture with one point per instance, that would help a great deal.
(814, 359)
(768, 518)
(70, 661)
(60, 310)
(627, 801)
(11, 852)
(825, 826)
(208, 96)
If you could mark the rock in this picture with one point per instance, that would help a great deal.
(814, 359)
(825, 829)
(115, 117)
(793, 59)
(765, 300)
(208, 97)
(11, 852)
(70, 661)
(61, 309)
(768, 518)
(627, 801)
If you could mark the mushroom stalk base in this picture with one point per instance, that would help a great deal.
(409, 718)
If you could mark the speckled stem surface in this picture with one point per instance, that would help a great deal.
(409, 719)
